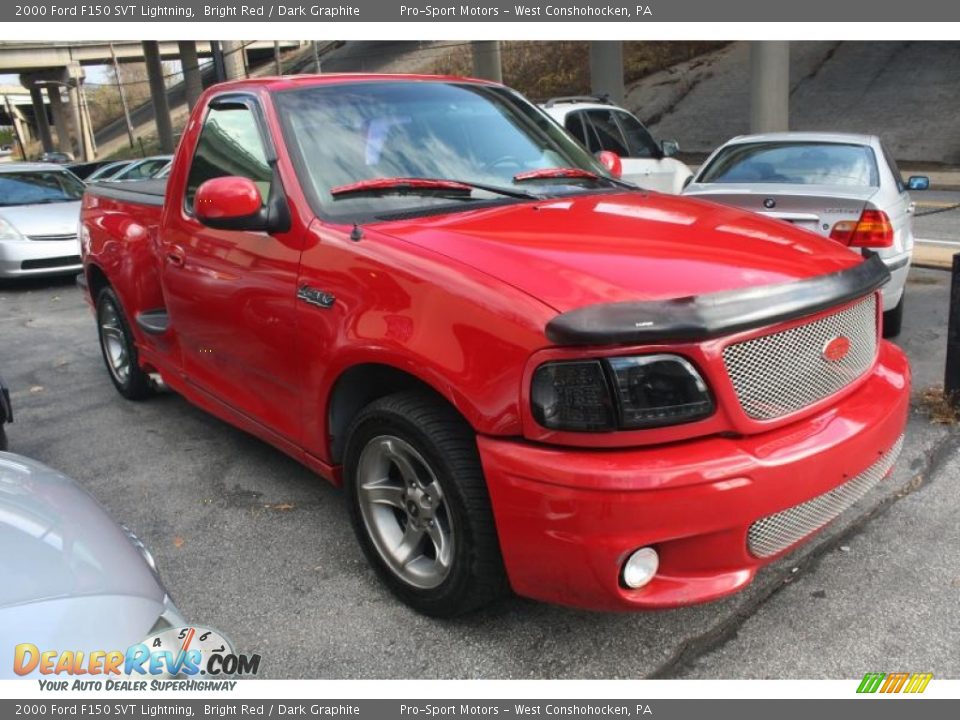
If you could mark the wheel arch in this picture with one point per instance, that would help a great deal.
(96, 280)
(359, 385)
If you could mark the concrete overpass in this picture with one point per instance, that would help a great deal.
(16, 57)
(53, 73)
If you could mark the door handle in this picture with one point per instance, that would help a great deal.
(175, 256)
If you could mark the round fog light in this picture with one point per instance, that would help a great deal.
(640, 568)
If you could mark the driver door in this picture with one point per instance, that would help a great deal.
(230, 294)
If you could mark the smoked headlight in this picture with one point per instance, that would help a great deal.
(572, 396)
(657, 390)
(624, 393)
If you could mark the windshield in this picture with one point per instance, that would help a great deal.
(39, 186)
(793, 163)
(342, 134)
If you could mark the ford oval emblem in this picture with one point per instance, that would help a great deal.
(836, 349)
(769, 203)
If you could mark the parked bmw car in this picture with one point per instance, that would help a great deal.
(72, 578)
(599, 125)
(39, 211)
(847, 187)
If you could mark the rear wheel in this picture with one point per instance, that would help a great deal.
(119, 349)
(893, 320)
(3, 438)
(419, 504)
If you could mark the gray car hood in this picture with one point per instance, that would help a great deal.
(57, 542)
(59, 218)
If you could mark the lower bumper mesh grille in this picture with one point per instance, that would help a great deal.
(775, 533)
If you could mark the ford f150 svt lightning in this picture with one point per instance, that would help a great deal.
(525, 372)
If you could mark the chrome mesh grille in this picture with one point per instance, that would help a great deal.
(777, 374)
(775, 533)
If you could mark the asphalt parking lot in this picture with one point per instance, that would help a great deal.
(253, 544)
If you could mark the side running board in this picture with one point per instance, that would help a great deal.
(155, 322)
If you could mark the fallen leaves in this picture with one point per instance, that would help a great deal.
(178, 542)
(938, 407)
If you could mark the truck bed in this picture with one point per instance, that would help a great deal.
(142, 192)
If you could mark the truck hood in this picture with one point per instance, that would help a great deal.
(59, 218)
(579, 251)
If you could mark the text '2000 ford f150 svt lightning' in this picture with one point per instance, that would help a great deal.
(526, 373)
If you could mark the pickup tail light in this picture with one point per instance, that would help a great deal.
(872, 230)
(622, 393)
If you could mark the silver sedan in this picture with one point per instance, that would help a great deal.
(843, 186)
(72, 578)
(39, 214)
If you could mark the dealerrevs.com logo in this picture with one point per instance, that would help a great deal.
(184, 658)
(900, 682)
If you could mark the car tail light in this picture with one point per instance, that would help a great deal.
(872, 230)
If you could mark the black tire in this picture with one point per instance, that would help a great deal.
(3, 438)
(447, 446)
(893, 320)
(135, 384)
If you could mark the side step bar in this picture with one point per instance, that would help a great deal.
(155, 322)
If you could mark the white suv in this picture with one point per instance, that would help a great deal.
(600, 125)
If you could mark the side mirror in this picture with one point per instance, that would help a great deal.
(611, 161)
(230, 203)
(669, 148)
(918, 182)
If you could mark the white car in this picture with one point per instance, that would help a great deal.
(599, 125)
(844, 186)
(39, 211)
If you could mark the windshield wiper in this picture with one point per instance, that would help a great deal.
(556, 172)
(571, 173)
(423, 186)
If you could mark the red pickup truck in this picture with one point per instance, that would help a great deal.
(526, 373)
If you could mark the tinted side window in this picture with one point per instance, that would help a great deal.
(639, 140)
(574, 125)
(608, 132)
(146, 170)
(230, 144)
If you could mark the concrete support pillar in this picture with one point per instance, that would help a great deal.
(40, 113)
(81, 122)
(486, 60)
(769, 86)
(59, 113)
(192, 82)
(233, 59)
(158, 93)
(73, 92)
(606, 70)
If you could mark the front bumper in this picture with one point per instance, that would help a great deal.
(568, 518)
(23, 258)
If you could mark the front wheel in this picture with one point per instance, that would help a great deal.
(119, 349)
(419, 504)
